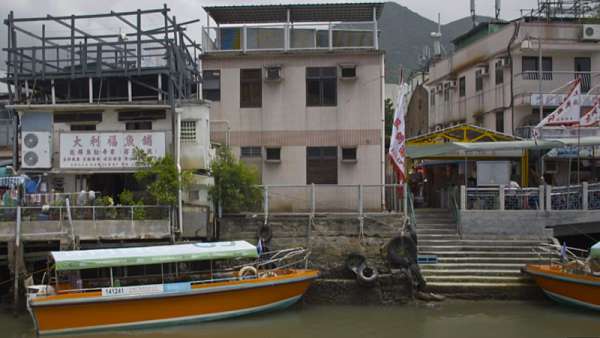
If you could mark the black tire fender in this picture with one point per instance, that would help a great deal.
(401, 251)
(265, 233)
(354, 261)
(367, 274)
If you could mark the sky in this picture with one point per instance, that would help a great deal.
(192, 9)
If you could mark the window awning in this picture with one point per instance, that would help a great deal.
(103, 258)
(416, 151)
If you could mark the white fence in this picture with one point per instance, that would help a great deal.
(576, 197)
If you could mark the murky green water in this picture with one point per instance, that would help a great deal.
(459, 319)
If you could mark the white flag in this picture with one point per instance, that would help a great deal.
(397, 151)
(592, 117)
(568, 111)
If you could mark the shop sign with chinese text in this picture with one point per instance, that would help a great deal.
(108, 150)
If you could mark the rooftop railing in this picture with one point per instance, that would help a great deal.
(289, 37)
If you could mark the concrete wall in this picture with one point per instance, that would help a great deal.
(520, 223)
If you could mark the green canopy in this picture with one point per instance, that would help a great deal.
(102, 258)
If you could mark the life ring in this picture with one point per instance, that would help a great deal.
(247, 271)
(265, 233)
(402, 251)
(354, 261)
(367, 275)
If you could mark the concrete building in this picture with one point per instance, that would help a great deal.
(300, 89)
(86, 102)
(493, 78)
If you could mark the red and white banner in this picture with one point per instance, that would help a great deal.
(592, 117)
(568, 112)
(397, 151)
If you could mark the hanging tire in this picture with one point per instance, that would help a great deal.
(354, 261)
(402, 251)
(367, 275)
(265, 233)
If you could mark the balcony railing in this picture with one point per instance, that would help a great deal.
(284, 37)
(576, 197)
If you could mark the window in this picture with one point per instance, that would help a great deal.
(71, 117)
(499, 70)
(348, 71)
(432, 95)
(138, 125)
(478, 80)
(500, 121)
(250, 88)
(321, 86)
(83, 127)
(273, 154)
(531, 71)
(462, 84)
(251, 152)
(211, 85)
(349, 154)
(146, 115)
(188, 131)
(321, 165)
(446, 93)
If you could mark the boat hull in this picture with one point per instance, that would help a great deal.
(567, 288)
(68, 313)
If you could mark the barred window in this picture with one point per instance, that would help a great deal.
(188, 131)
(251, 152)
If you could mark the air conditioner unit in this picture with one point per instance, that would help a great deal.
(273, 73)
(484, 71)
(591, 32)
(36, 150)
(347, 71)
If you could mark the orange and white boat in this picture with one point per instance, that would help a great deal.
(572, 283)
(69, 303)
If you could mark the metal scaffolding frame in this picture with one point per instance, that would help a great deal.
(82, 67)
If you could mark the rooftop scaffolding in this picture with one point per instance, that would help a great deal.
(76, 59)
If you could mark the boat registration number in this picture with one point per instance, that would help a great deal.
(132, 290)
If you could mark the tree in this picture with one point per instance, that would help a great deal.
(235, 183)
(161, 177)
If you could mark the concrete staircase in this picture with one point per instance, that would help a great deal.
(474, 268)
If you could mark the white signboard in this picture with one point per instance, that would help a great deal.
(108, 150)
(133, 290)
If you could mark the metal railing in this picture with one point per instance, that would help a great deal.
(575, 197)
(286, 36)
(87, 213)
(315, 199)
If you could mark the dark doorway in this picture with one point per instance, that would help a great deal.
(113, 184)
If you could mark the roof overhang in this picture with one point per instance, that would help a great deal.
(298, 13)
(86, 107)
(416, 151)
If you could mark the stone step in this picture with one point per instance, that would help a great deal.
(477, 290)
(478, 248)
(435, 220)
(479, 242)
(477, 266)
(436, 227)
(483, 254)
(448, 231)
(471, 272)
(487, 260)
(426, 237)
(478, 279)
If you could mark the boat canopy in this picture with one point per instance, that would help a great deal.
(102, 258)
(426, 150)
